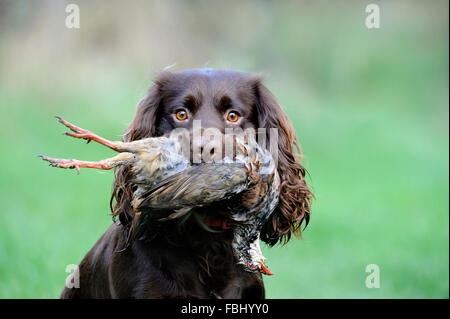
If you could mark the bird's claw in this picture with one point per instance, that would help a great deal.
(265, 270)
(72, 127)
(87, 136)
(77, 131)
(262, 268)
(81, 133)
(62, 163)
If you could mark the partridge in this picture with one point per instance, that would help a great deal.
(169, 186)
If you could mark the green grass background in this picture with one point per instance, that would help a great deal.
(370, 108)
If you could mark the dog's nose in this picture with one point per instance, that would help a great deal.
(207, 148)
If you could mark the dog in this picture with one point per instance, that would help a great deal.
(189, 260)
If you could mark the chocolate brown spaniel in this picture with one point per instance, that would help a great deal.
(194, 259)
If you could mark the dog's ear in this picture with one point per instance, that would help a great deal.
(295, 197)
(142, 126)
(144, 122)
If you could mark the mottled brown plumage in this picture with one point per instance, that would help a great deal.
(169, 187)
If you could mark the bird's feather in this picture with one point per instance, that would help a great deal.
(177, 191)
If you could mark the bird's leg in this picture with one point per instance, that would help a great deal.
(79, 132)
(106, 164)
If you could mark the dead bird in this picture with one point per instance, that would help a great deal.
(166, 181)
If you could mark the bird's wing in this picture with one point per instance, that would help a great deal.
(196, 186)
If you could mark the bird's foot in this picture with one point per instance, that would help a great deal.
(73, 163)
(265, 270)
(81, 133)
(261, 267)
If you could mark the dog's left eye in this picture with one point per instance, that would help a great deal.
(233, 116)
(181, 115)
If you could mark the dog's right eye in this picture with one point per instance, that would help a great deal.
(181, 115)
(233, 116)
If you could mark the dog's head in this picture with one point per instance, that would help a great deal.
(221, 99)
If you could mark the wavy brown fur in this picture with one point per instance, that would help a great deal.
(295, 196)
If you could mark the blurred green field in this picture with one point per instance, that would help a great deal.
(370, 108)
